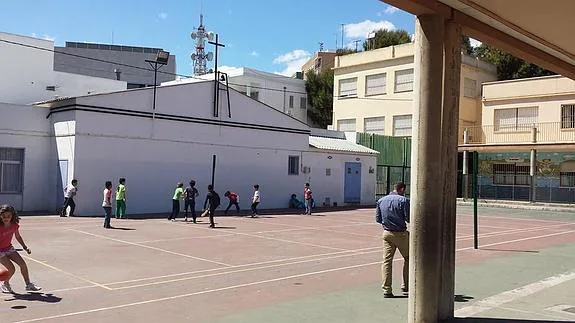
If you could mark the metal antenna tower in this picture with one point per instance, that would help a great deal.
(200, 57)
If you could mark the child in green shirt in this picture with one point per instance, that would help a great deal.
(121, 199)
(178, 193)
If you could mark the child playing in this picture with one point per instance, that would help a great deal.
(190, 195)
(69, 193)
(212, 202)
(234, 200)
(107, 205)
(8, 255)
(255, 201)
(178, 193)
(121, 199)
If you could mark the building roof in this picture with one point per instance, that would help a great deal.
(339, 145)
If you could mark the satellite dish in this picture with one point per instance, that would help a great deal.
(210, 36)
(194, 35)
(210, 56)
(194, 56)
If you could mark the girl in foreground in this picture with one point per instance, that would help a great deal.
(8, 255)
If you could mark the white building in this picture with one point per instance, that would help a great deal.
(286, 94)
(28, 74)
(107, 136)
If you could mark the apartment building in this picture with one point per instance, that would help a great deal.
(373, 91)
(321, 61)
(522, 119)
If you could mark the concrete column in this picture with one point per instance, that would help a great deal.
(449, 141)
(426, 172)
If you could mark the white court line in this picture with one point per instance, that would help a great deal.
(101, 309)
(496, 301)
(532, 313)
(185, 238)
(511, 231)
(209, 291)
(150, 247)
(519, 219)
(377, 249)
(67, 273)
(288, 260)
(326, 229)
(248, 269)
(267, 238)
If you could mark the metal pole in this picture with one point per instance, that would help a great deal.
(155, 85)
(533, 174)
(213, 169)
(465, 179)
(474, 188)
(216, 82)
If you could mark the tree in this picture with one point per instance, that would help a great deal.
(385, 38)
(345, 51)
(508, 66)
(466, 46)
(319, 88)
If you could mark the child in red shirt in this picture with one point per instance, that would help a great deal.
(8, 229)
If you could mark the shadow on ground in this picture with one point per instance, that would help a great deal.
(35, 297)
(462, 298)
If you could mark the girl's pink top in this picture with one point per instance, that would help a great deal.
(6, 235)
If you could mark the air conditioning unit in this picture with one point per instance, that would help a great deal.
(306, 170)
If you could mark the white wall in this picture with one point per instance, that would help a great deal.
(26, 127)
(26, 72)
(332, 186)
(69, 85)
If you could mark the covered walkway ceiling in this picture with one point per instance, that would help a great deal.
(538, 31)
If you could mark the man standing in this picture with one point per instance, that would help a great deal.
(393, 214)
(69, 193)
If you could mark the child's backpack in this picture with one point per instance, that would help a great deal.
(215, 199)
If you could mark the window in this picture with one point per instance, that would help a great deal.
(346, 125)
(404, 80)
(469, 88)
(402, 126)
(568, 116)
(328, 172)
(303, 102)
(375, 125)
(511, 174)
(567, 174)
(255, 95)
(348, 88)
(11, 170)
(375, 84)
(293, 165)
(291, 101)
(516, 119)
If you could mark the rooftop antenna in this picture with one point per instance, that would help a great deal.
(321, 46)
(200, 57)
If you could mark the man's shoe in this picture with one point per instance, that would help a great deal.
(388, 295)
(404, 290)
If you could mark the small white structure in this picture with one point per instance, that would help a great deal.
(107, 136)
(286, 94)
(27, 73)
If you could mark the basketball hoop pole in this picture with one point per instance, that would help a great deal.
(474, 188)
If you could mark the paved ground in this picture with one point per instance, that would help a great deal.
(323, 268)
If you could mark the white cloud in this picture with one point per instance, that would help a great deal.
(293, 61)
(390, 10)
(48, 37)
(163, 15)
(475, 42)
(254, 54)
(362, 29)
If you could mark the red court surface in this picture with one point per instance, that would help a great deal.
(246, 269)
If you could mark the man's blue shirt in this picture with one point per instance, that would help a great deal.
(392, 212)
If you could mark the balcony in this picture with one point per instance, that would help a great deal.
(540, 133)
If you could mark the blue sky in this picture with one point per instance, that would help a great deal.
(273, 36)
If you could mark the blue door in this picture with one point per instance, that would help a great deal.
(352, 183)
